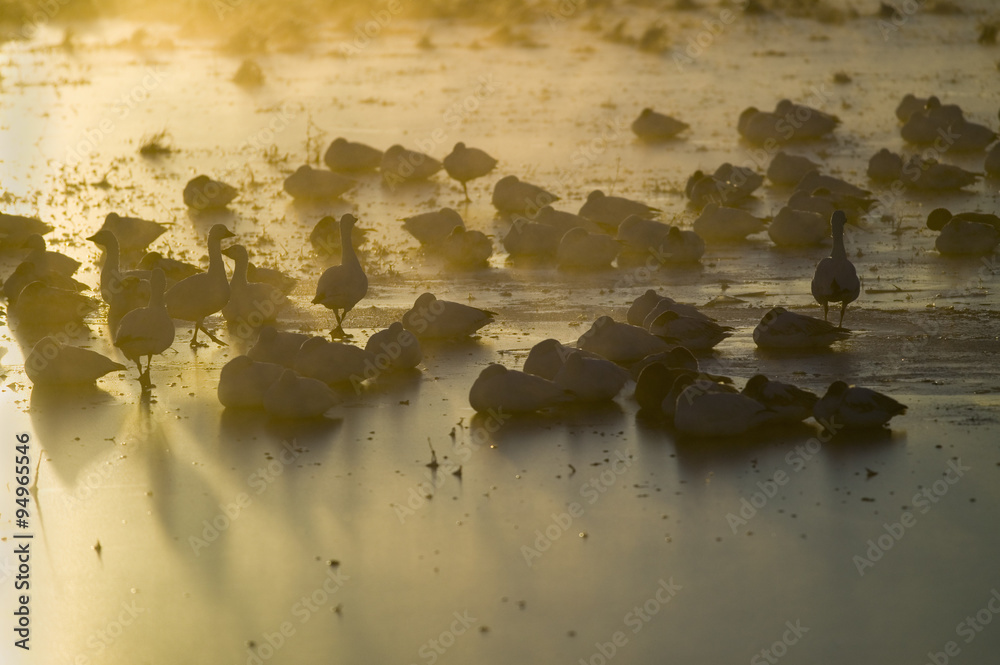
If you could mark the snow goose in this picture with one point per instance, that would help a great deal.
(760, 127)
(835, 279)
(781, 329)
(394, 348)
(591, 379)
(786, 170)
(123, 291)
(15, 229)
(642, 306)
(134, 234)
(41, 305)
(710, 412)
(851, 407)
(546, 358)
(930, 175)
(53, 363)
(885, 166)
(790, 403)
(46, 260)
(203, 193)
(465, 164)
(959, 237)
(431, 228)
(525, 238)
(342, 287)
(798, 228)
(939, 217)
(564, 221)
(332, 362)
(909, 105)
(279, 347)
(204, 294)
(652, 126)
(174, 270)
(580, 250)
(312, 184)
(806, 122)
(326, 237)
(638, 235)
(431, 318)
(667, 304)
(466, 249)
(243, 382)
(351, 157)
(693, 334)
(147, 331)
(511, 195)
(298, 397)
(505, 390)
(620, 342)
(722, 224)
(250, 304)
(400, 165)
(613, 210)
(26, 273)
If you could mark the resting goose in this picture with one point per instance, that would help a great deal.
(511, 195)
(781, 329)
(851, 407)
(297, 397)
(620, 342)
(394, 348)
(400, 165)
(431, 318)
(53, 363)
(351, 157)
(203, 193)
(590, 379)
(789, 403)
(693, 334)
(243, 382)
(652, 126)
(505, 390)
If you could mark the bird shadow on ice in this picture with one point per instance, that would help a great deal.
(243, 432)
(401, 384)
(517, 432)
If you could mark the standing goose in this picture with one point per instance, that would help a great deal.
(122, 291)
(836, 280)
(250, 303)
(342, 287)
(204, 294)
(148, 330)
(465, 164)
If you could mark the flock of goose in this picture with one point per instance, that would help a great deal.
(293, 375)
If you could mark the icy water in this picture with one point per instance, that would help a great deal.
(172, 531)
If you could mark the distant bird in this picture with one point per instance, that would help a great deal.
(790, 403)
(47, 260)
(27, 272)
(717, 413)
(295, 397)
(147, 331)
(349, 157)
(134, 234)
(852, 407)
(511, 195)
(342, 287)
(727, 185)
(798, 228)
(930, 175)
(332, 362)
(325, 236)
(526, 238)
(432, 318)
(835, 279)
(787, 170)
(909, 105)
(174, 269)
(546, 358)
(760, 127)
(312, 184)
(590, 379)
(431, 228)
(885, 166)
(203, 193)
(250, 304)
(509, 391)
(781, 329)
(806, 122)
(15, 229)
(691, 333)
(653, 126)
(394, 348)
(613, 210)
(580, 250)
(243, 382)
(620, 342)
(199, 296)
(564, 221)
(123, 291)
(959, 237)
(400, 165)
(667, 304)
(465, 164)
(41, 305)
(279, 347)
(52, 363)
(466, 249)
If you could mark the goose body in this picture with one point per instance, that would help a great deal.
(591, 379)
(279, 347)
(250, 304)
(432, 318)
(909, 105)
(46, 260)
(835, 187)
(781, 329)
(272, 277)
(203, 193)
(760, 127)
(395, 348)
(123, 291)
(722, 224)
(332, 362)
(464, 164)
(431, 228)
(885, 166)
(511, 195)
(467, 249)
(243, 382)
(564, 221)
(852, 407)
(798, 228)
(580, 250)
(15, 230)
(700, 385)
(312, 184)
(133, 234)
(40, 305)
(691, 333)
(53, 363)
(613, 210)
(638, 235)
(702, 413)
(326, 238)
(526, 238)
(400, 165)
(199, 296)
(296, 397)
(667, 304)
(959, 237)
(939, 217)
(505, 390)
(147, 331)
(620, 342)
(546, 358)
(807, 123)
(836, 279)
(930, 175)
(642, 306)
(26, 273)
(653, 126)
(174, 270)
(789, 403)
(786, 170)
(342, 287)
(351, 157)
